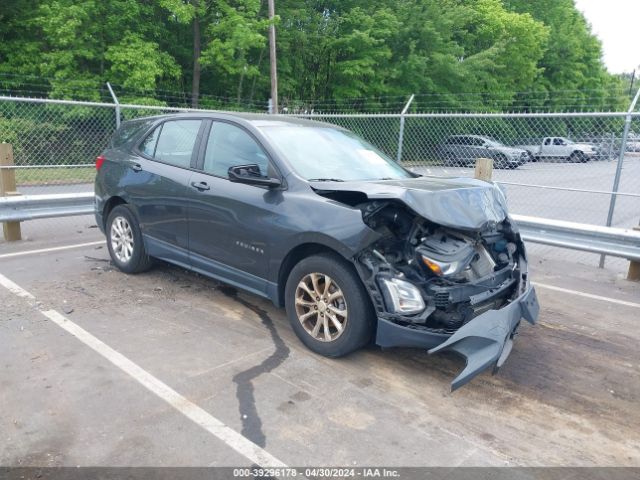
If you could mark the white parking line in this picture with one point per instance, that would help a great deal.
(587, 295)
(52, 249)
(218, 429)
(15, 288)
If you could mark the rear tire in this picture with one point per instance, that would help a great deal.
(328, 306)
(578, 157)
(124, 241)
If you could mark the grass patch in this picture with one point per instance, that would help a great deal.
(54, 176)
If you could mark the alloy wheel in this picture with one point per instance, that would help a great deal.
(321, 307)
(121, 239)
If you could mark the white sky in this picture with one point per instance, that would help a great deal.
(616, 23)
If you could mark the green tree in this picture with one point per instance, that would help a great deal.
(456, 54)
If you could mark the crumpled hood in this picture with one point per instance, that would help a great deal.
(463, 203)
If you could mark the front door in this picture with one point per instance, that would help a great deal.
(230, 224)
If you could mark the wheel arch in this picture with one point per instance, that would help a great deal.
(109, 205)
(293, 257)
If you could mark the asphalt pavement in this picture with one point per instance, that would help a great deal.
(100, 368)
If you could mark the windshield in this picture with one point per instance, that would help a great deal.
(329, 154)
(492, 142)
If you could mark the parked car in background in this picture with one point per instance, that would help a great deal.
(463, 150)
(561, 148)
(633, 143)
(312, 217)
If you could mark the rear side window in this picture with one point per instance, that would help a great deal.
(172, 142)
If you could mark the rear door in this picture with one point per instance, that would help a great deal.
(231, 224)
(157, 186)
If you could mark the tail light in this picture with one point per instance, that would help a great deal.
(99, 162)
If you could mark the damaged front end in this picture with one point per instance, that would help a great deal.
(461, 289)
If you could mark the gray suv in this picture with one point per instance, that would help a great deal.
(312, 217)
(463, 150)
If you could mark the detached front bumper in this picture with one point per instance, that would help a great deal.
(485, 341)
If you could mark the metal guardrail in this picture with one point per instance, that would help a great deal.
(616, 242)
(32, 207)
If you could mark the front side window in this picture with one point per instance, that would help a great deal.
(323, 153)
(230, 146)
(172, 142)
(492, 142)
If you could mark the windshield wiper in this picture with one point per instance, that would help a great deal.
(325, 180)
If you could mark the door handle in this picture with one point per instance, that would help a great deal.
(202, 186)
(136, 167)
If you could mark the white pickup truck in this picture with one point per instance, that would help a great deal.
(561, 148)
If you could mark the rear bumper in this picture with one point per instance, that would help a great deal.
(485, 341)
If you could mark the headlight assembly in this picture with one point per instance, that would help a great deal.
(401, 296)
(443, 269)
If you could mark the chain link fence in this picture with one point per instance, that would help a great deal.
(553, 165)
(569, 178)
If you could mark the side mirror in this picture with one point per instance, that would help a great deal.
(250, 175)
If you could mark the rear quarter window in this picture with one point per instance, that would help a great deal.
(128, 131)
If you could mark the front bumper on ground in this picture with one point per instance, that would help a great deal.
(485, 341)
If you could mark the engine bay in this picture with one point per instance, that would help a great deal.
(424, 275)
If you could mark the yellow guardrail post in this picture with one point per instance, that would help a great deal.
(11, 230)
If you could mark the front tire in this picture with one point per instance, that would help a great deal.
(328, 306)
(124, 241)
